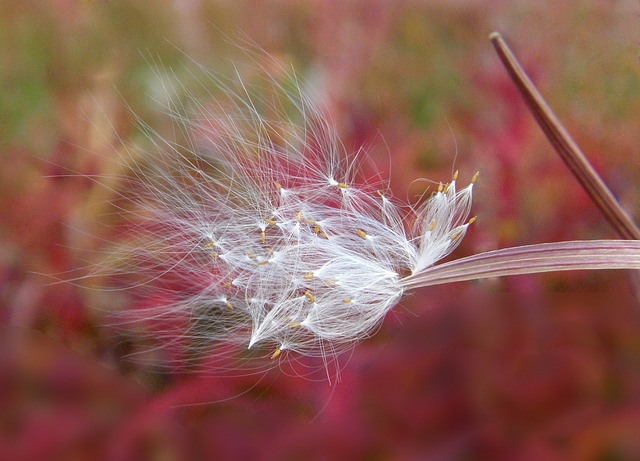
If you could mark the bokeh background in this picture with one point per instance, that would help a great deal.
(539, 367)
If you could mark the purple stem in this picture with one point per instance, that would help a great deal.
(531, 259)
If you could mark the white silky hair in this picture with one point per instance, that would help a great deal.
(257, 231)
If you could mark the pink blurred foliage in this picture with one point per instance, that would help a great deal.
(531, 368)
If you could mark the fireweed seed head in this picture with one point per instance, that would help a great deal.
(252, 228)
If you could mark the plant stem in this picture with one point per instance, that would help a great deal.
(531, 259)
(564, 145)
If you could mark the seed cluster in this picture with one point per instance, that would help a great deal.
(263, 235)
(306, 272)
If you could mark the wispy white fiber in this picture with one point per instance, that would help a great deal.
(256, 228)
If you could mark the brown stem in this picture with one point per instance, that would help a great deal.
(564, 145)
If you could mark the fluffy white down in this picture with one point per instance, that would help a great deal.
(256, 229)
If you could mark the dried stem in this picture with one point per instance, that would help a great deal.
(564, 145)
(530, 259)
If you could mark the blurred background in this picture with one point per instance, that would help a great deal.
(539, 367)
